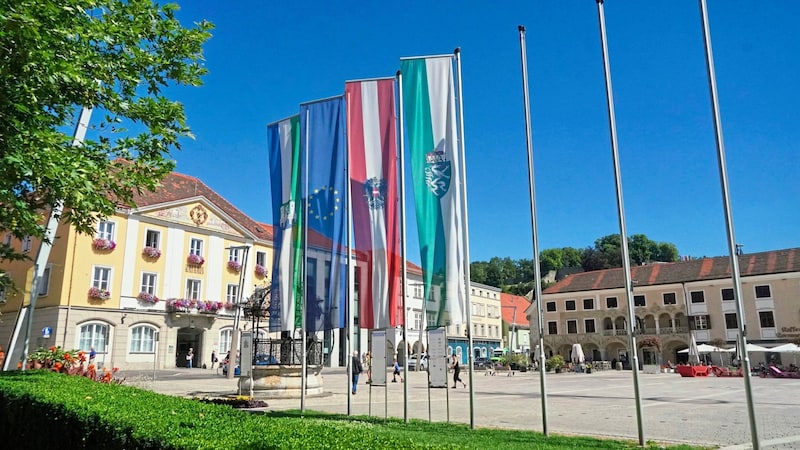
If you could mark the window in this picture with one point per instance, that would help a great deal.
(699, 322)
(44, 282)
(588, 303)
(588, 325)
(105, 230)
(611, 302)
(639, 300)
(102, 278)
(93, 335)
(225, 340)
(2, 294)
(193, 289)
(552, 327)
(152, 239)
(483, 330)
(572, 326)
(763, 291)
(727, 294)
(196, 246)
(143, 339)
(149, 283)
(417, 291)
(570, 305)
(261, 259)
(232, 293)
(767, 319)
(234, 254)
(551, 306)
(697, 297)
(417, 320)
(27, 244)
(7, 239)
(730, 321)
(669, 298)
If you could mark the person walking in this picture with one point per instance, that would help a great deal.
(189, 357)
(396, 371)
(357, 369)
(457, 372)
(213, 358)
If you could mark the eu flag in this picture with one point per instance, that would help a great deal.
(323, 143)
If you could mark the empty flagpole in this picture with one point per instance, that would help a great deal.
(465, 238)
(401, 150)
(349, 313)
(626, 265)
(726, 203)
(534, 231)
(303, 321)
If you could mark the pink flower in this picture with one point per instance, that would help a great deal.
(151, 252)
(103, 244)
(197, 260)
(99, 294)
(261, 270)
(234, 265)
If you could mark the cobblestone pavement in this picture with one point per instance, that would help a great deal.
(705, 411)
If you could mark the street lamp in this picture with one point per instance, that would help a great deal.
(237, 312)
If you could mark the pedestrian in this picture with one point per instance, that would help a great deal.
(368, 363)
(189, 357)
(213, 358)
(357, 369)
(456, 372)
(396, 371)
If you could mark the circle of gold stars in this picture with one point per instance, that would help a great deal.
(322, 191)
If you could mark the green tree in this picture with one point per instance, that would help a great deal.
(116, 56)
(550, 259)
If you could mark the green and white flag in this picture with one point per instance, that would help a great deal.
(428, 91)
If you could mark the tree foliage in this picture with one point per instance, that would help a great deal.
(115, 56)
(517, 277)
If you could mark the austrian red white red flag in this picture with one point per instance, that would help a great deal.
(372, 148)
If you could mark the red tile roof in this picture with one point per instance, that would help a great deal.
(508, 302)
(176, 187)
(776, 261)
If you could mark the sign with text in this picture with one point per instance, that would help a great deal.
(437, 357)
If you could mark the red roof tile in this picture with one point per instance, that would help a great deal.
(508, 302)
(776, 261)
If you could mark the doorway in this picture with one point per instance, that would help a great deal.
(189, 338)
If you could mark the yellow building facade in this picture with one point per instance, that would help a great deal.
(154, 281)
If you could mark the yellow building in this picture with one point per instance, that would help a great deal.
(673, 302)
(153, 282)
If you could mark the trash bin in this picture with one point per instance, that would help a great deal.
(619, 366)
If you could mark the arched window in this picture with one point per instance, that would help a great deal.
(93, 335)
(143, 338)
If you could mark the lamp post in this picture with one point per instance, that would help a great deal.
(237, 311)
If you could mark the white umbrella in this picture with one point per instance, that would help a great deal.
(694, 352)
(577, 354)
(756, 348)
(786, 348)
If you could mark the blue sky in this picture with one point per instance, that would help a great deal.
(267, 57)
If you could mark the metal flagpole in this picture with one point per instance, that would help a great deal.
(303, 321)
(726, 202)
(401, 151)
(349, 313)
(626, 266)
(534, 232)
(43, 255)
(465, 237)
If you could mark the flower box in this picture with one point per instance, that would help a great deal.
(260, 270)
(151, 252)
(195, 260)
(208, 306)
(99, 294)
(103, 244)
(180, 304)
(145, 297)
(235, 266)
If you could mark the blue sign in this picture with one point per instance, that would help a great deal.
(46, 331)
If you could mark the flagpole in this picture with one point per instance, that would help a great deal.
(401, 147)
(726, 203)
(465, 238)
(626, 267)
(349, 314)
(537, 271)
(303, 320)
